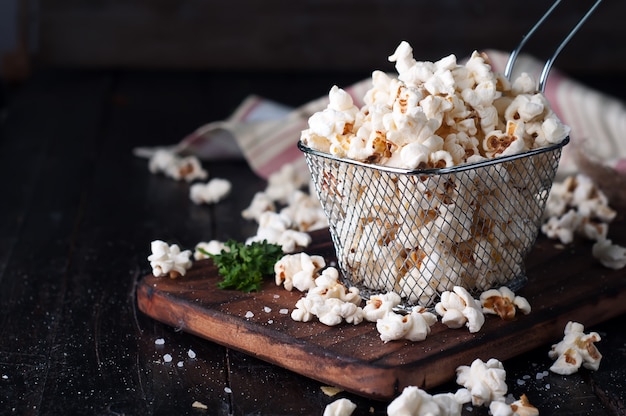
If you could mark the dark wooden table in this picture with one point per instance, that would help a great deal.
(77, 214)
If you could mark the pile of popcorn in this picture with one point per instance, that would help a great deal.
(419, 235)
(435, 115)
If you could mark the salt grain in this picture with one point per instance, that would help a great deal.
(284, 311)
(271, 321)
(520, 382)
(159, 341)
(179, 364)
(267, 309)
(249, 315)
(167, 358)
(276, 296)
(191, 353)
(5, 377)
(228, 390)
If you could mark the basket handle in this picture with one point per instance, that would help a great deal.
(548, 64)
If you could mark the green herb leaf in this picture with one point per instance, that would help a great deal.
(243, 266)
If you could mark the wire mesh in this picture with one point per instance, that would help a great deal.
(422, 232)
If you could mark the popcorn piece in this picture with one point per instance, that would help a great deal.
(168, 260)
(298, 270)
(610, 255)
(211, 247)
(521, 407)
(173, 166)
(415, 401)
(261, 202)
(281, 184)
(485, 381)
(458, 308)
(277, 229)
(305, 212)
(377, 306)
(414, 326)
(576, 349)
(503, 302)
(210, 193)
(340, 407)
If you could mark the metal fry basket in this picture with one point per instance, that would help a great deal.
(422, 232)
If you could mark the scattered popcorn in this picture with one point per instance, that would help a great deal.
(199, 405)
(377, 306)
(283, 183)
(298, 270)
(176, 167)
(159, 341)
(305, 212)
(340, 407)
(278, 229)
(503, 302)
(576, 349)
(414, 401)
(330, 301)
(211, 247)
(210, 193)
(576, 206)
(167, 358)
(521, 407)
(191, 354)
(168, 260)
(414, 326)
(459, 308)
(485, 381)
(610, 255)
(261, 202)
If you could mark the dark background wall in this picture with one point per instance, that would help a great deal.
(307, 35)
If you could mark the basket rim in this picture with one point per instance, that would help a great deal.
(435, 171)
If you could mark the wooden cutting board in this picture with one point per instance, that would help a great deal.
(565, 283)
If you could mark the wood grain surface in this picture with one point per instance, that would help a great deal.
(564, 285)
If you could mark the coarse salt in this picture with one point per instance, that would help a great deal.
(267, 309)
(167, 358)
(284, 311)
(191, 353)
(159, 341)
(228, 390)
(249, 315)
(179, 364)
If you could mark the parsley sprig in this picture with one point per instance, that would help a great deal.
(242, 266)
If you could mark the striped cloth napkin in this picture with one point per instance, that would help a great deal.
(265, 133)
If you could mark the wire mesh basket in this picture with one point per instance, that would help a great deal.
(421, 232)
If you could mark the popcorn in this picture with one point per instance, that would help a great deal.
(282, 183)
(521, 407)
(261, 202)
(278, 229)
(458, 309)
(414, 326)
(330, 301)
(340, 407)
(575, 349)
(485, 381)
(610, 255)
(305, 212)
(503, 302)
(210, 193)
(377, 306)
(415, 401)
(176, 167)
(211, 247)
(168, 260)
(576, 206)
(420, 235)
(298, 270)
